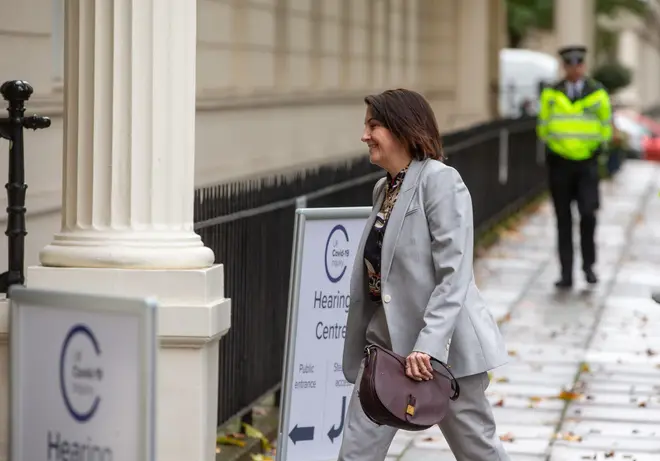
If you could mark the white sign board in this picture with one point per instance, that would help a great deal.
(315, 394)
(82, 376)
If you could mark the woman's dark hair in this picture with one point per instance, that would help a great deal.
(410, 119)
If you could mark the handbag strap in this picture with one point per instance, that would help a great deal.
(453, 381)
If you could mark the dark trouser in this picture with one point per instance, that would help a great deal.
(571, 180)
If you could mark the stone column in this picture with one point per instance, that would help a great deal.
(575, 24)
(127, 206)
(473, 62)
(497, 40)
(630, 55)
(129, 141)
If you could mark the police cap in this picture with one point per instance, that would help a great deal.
(573, 54)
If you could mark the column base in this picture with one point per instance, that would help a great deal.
(193, 316)
(150, 250)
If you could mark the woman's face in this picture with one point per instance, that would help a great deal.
(382, 143)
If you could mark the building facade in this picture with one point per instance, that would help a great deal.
(639, 50)
(638, 45)
(280, 83)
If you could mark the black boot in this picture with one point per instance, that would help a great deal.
(590, 276)
(564, 282)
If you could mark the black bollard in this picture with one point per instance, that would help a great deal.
(16, 93)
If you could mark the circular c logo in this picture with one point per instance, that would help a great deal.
(337, 253)
(80, 373)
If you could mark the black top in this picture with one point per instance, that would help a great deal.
(374, 244)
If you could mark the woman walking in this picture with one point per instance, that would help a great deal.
(413, 289)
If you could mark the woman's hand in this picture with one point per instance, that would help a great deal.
(418, 366)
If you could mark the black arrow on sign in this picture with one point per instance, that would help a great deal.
(301, 434)
(335, 432)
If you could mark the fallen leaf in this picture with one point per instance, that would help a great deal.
(609, 454)
(508, 437)
(513, 353)
(502, 379)
(504, 319)
(235, 438)
(569, 437)
(584, 368)
(642, 404)
(569, 396)
(500, 403)
(261, 458)
(254, 433)
(651, 352)
(430, 439)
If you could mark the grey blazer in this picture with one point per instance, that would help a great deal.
(431, 302)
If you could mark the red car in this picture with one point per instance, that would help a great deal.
(650, 144)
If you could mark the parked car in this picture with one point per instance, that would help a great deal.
(637, 135)
(522, 73)
(652, 149)
(649, 123)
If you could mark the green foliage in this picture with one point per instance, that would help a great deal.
(613, 75)
(607, 43)
(526, 15)
(610, 7)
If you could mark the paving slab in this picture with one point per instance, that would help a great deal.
(583, 381)
(500, 296)
(576, 453)
(600, 442)
(631, 371)
(616, 413)
(612, 429)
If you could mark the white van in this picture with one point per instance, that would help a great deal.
(521, 74)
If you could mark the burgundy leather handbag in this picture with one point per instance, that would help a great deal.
(389, 398)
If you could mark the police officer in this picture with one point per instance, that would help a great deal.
(574, 122)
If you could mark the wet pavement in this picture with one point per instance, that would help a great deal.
(584, 378)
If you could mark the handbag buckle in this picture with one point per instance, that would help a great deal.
(410, 408)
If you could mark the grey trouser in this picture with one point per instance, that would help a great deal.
(469, 428)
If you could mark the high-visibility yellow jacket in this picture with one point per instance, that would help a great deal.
(575, 129)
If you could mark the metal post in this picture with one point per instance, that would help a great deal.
(503, 174)
(16, 93)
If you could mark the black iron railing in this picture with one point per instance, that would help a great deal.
(16, 93)
(249, 225)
